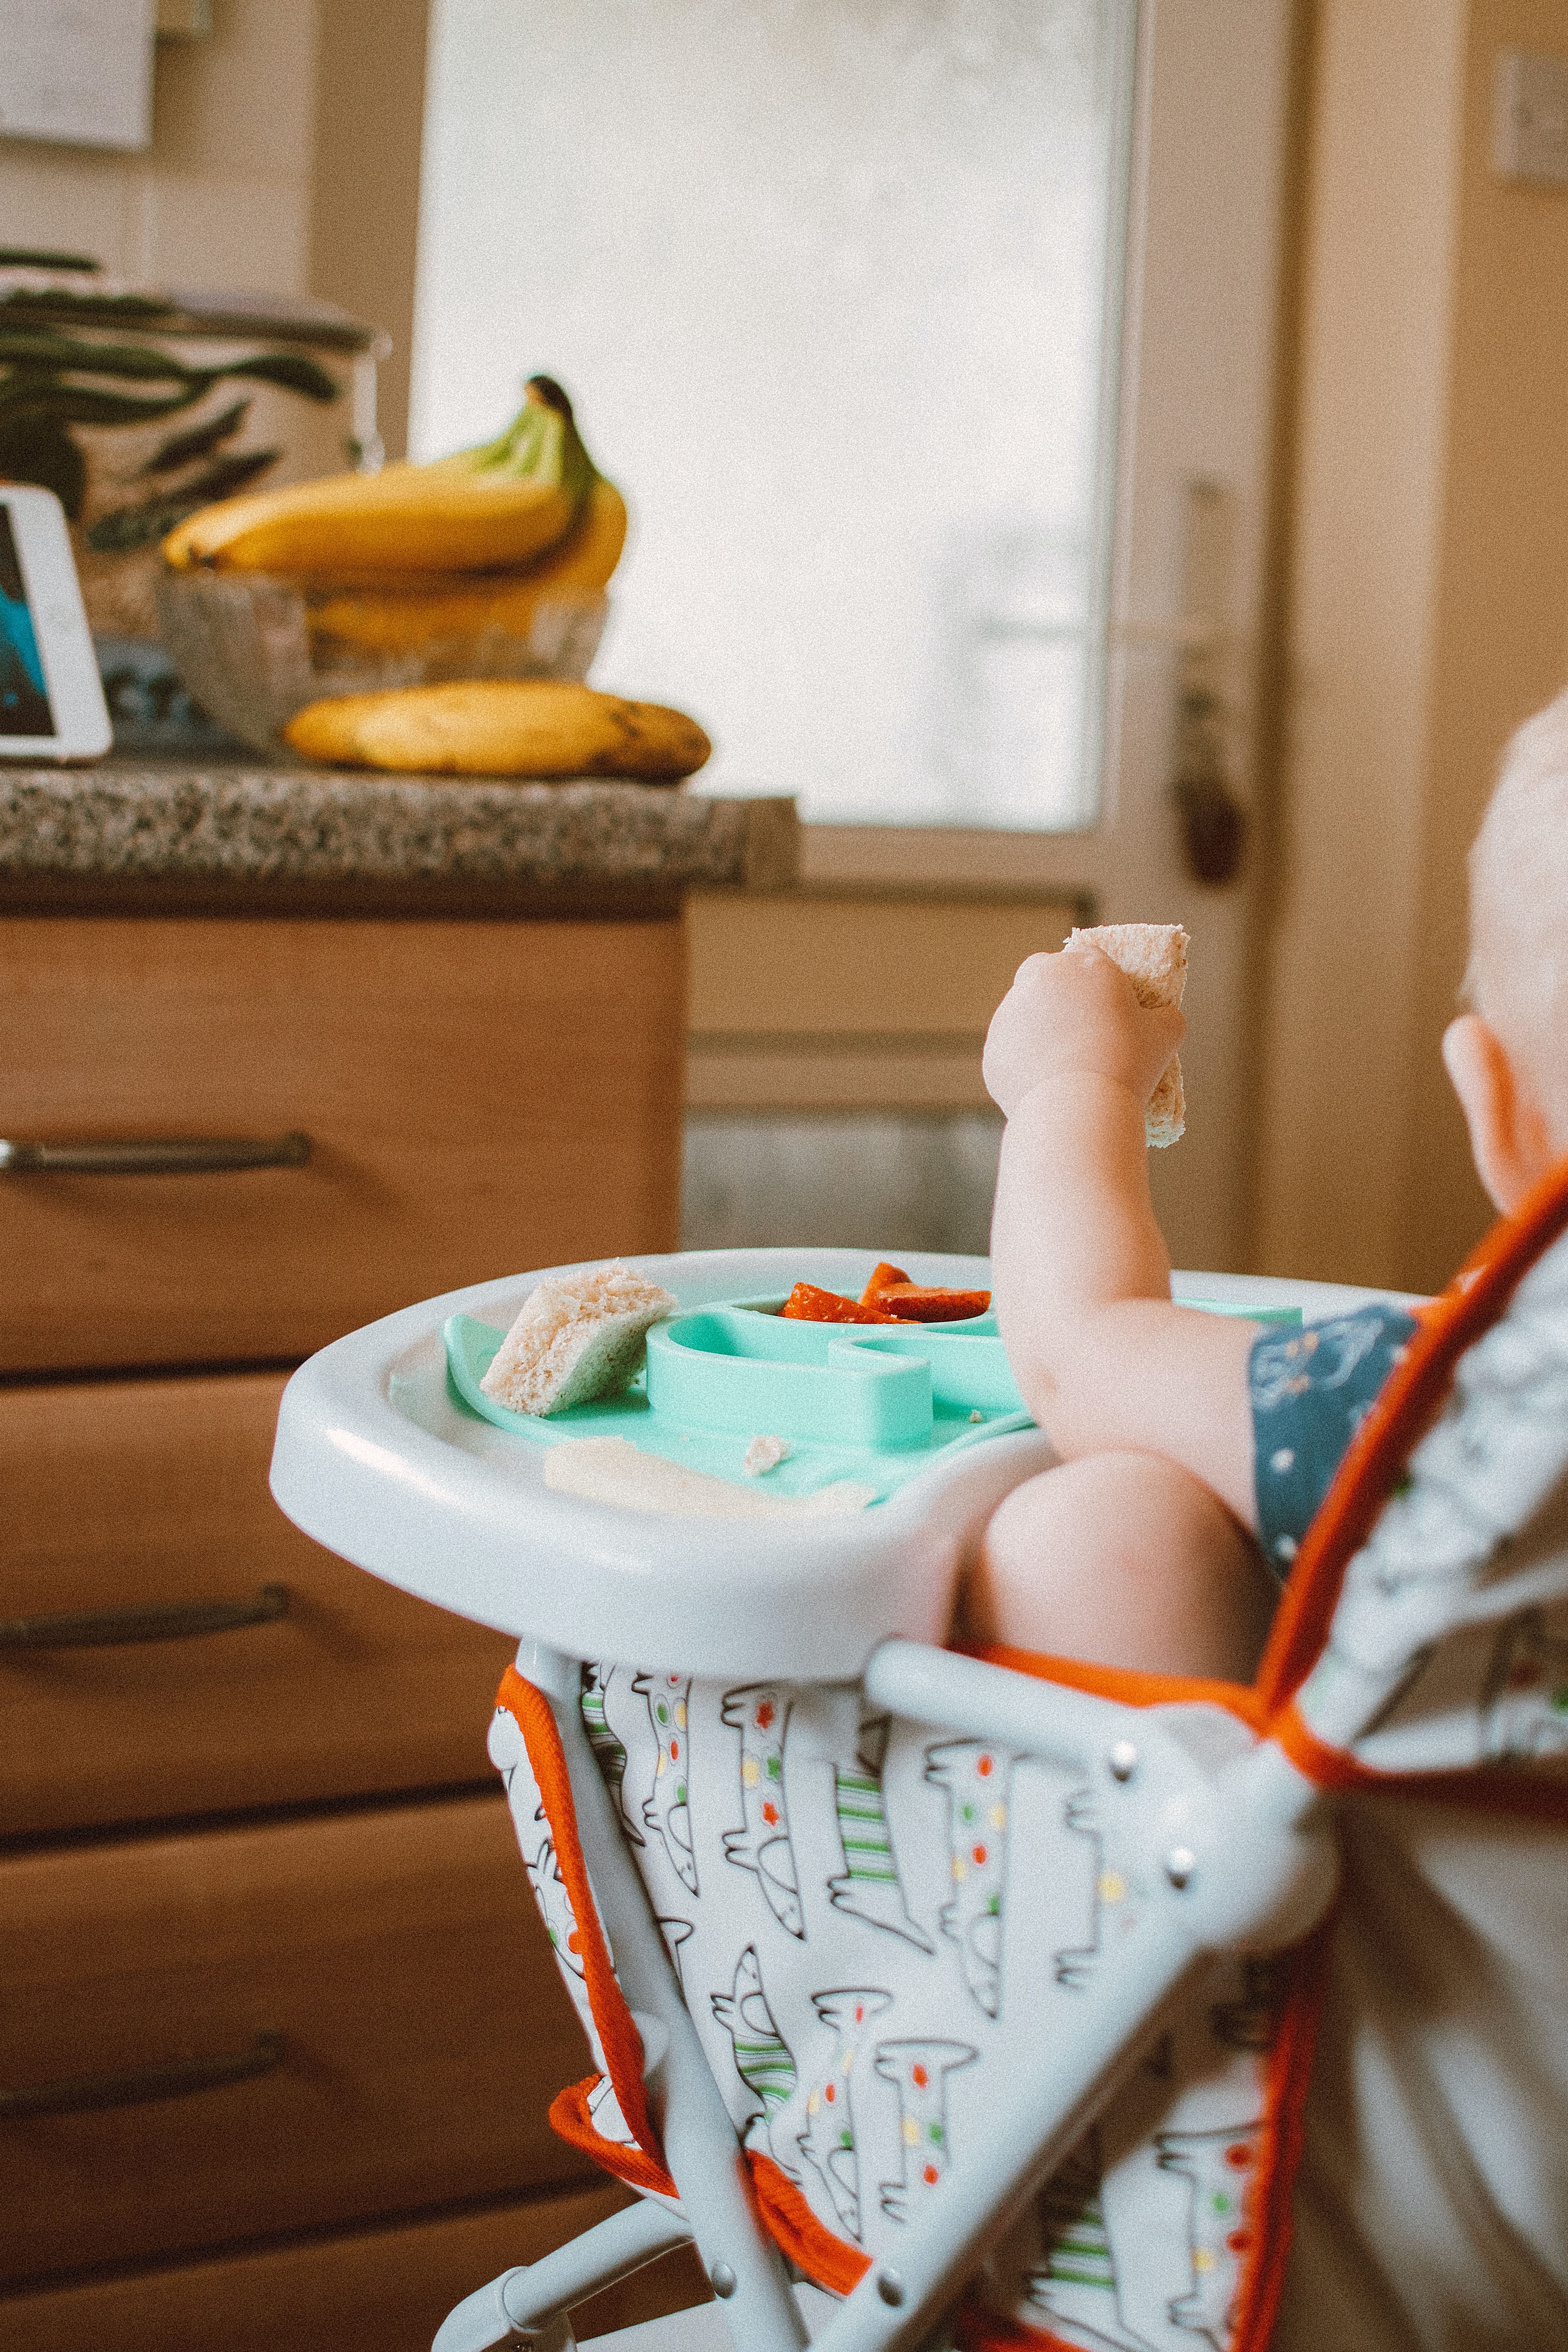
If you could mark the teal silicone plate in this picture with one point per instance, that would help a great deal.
(868, 1402)
(871, 1403)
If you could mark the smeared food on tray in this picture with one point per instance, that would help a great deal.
(612, 1470)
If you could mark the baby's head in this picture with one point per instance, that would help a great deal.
(1508, 1057)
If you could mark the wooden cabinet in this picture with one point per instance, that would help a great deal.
(278, 2027)
(478, 1097)
(142, 1505)
(379, 1974)
(370, 2290)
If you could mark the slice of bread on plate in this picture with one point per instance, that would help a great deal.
(577, 1337)
(1154, 958)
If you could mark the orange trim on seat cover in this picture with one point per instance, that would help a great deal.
(1127, 1685)
(1498, 1789)
(571, 2120)
(619, 2036)
(831, 2261)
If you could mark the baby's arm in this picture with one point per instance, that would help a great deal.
(1080, 1269)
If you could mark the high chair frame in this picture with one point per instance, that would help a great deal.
(1243, 1857)
(1234, 1799)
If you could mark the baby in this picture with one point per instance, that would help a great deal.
(1196, 1447)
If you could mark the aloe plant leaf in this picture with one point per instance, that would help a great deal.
(60, 354)
(71, 403)
(226, 475)
(35, 257)
(25, 299)
(197, 440)
(30, 353)
(39, 451)
(152, 518)
(290, 370)
(24, 302)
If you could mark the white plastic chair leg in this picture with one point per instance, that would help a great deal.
(532, 2300)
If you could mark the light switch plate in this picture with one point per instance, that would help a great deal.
(1530, 118)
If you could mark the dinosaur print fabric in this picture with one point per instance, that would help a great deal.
(870, 1925)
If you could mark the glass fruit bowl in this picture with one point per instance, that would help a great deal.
(254, 647)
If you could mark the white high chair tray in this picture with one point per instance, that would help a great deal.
(378, 1460)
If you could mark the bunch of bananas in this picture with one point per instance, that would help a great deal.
(526, 521)
(533, 496)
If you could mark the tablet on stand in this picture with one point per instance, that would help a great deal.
(51, 697)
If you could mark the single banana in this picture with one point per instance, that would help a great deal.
(499, 505)
(398, 619)
(538, 728)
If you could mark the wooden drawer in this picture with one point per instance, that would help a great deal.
(375, 2291)
(397, 1953)
(479, 1097)
(372, 2292)
(124, 1494)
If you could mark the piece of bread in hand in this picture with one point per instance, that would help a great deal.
(576, 1337)
(1154, 958)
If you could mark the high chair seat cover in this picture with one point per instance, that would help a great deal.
(872, 1925)
(871, 1922)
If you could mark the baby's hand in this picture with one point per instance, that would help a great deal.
(1076, 1012)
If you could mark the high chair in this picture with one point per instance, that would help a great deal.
(1014, 2002)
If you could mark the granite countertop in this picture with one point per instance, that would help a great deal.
(142, 837)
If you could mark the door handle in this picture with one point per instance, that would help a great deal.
(135, 2086)
(1213, 821)
(172, 1156)
(1211, 817)
(159, 1621)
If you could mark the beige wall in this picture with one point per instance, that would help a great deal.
(222, 197)
(364, 209)
(1370, 430)
(1501, 644)
(1429, 599)
(285, 159)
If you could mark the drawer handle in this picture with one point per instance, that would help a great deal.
(175, 2078)
(160, 1621)
(191, 1155)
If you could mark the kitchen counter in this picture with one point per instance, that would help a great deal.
(203, 837)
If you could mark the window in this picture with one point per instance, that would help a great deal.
(836, 284)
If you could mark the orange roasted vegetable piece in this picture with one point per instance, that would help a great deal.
(917, 1302)
(913, 1302)
(807, 1304)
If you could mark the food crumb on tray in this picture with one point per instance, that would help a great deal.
(762, 1454)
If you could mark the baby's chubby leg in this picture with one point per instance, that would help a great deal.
(1126, 1559)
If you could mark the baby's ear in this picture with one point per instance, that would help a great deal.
(1510, 1139)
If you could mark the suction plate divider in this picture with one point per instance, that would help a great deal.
(869, 1400)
